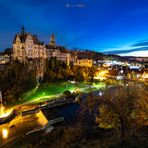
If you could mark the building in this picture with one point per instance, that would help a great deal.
(27, 47)
(52, 41)
(101, 74)
(83, 63)
(57, 52)
(5, 57)
(145, 76)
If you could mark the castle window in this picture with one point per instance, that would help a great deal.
(30, 53)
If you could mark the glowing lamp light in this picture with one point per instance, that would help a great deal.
(4, 113)
(145, 76)
(100, 93)
(2, 107)
(121, 71)
(5, 133)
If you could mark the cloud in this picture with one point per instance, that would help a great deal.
(137, 49)
(141, 43)
(118, 51)
(136, 54)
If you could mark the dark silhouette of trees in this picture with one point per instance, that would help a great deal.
(55, 70)
(15, 79)
(91, 73)
(122, 109)
(78, 74)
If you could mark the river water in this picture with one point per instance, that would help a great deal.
(69, 112)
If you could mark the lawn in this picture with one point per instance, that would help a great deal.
(48, 91)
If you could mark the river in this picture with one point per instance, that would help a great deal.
(69, 112)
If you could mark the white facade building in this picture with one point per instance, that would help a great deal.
(27, 46)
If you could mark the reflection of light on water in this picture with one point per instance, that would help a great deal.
(5, 133)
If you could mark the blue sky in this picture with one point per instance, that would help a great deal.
(101, 25)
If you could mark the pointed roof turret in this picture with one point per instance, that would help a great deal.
(52, 41)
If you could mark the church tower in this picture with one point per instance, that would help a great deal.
(52, 41)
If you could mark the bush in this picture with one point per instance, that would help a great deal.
(67, 93)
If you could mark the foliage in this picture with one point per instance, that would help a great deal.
(78, 74)
(15, 79)
(83, 132)
(67, 93)
(55, 70)
(124, 108)
(58, 70)
(91, 73)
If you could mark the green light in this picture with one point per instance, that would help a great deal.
(51, 91)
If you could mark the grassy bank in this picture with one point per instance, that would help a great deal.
(50, 91)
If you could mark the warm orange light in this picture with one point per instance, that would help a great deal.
(5, 133)
(101, 75)
(4, 112)
(145, 76)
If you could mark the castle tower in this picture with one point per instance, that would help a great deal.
(52, 41)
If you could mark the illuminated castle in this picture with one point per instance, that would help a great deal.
(27, 46)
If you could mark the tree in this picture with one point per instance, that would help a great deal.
(78, 74)
(55, 70)
(15, 79)
(91, 73)
(88, 110)
(124, 109)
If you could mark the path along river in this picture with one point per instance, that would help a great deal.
(16, 126)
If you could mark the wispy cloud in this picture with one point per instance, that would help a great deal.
(137, 49)
(141, 43)
(136, 54)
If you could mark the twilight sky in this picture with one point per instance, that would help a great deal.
(117, 26)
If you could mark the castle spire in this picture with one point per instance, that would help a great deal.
(52, 41)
